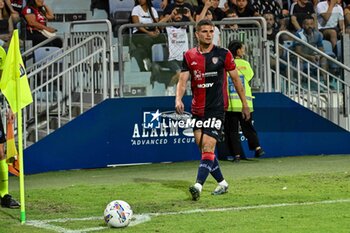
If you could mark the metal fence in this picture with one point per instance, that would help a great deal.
(251, 31)
(64, 86)
(323, 91)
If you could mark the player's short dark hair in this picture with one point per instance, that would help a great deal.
(204, 22)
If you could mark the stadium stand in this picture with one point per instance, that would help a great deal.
(137, 83)
(44, 54)
(120, 13)
(160, 72)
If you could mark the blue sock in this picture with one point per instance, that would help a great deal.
(205, 166)
(216, 171)
(204, 170)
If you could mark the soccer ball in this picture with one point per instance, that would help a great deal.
(118, 214)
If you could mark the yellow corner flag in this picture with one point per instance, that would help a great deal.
(14, 85)
(13, 70)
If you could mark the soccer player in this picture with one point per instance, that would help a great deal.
(207, 65)
(6, 199)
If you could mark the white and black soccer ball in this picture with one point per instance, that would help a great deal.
(118, 213)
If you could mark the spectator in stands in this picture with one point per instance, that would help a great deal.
(230, 4)
(309, 34)
(177, 45)
(6, 25)
(15, 7)
(298, 11)
(330, 16)
(233, 115)
(193, 3)
(271, 32)
(285, 5)
(207, 12)
(217, 11)
(271, 29)
(37, 14)
(347, 17)
(144, 37)
(231, 13)
(262, 6)
(182, 7)
(244, 8)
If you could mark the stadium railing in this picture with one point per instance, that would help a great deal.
(132, 82)
(97, 65)
(60, 93)
(325, 92)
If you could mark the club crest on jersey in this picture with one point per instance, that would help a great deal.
(215, 60)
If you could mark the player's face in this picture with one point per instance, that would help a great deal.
(205, 34)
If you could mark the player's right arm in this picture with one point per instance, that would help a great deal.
(180, 91)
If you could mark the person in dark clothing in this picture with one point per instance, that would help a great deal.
(37, 14)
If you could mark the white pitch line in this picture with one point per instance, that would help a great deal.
(250, 207)
(140, 218)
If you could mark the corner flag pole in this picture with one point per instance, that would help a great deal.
(20, 152)
(15, 87)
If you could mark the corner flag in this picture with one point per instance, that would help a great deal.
(14, 85)
(13, 71)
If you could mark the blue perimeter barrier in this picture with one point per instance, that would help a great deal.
(129, 130)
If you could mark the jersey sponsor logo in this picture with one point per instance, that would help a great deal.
(215, 60)
(211, 74)
(205, 85)
(193, 63)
